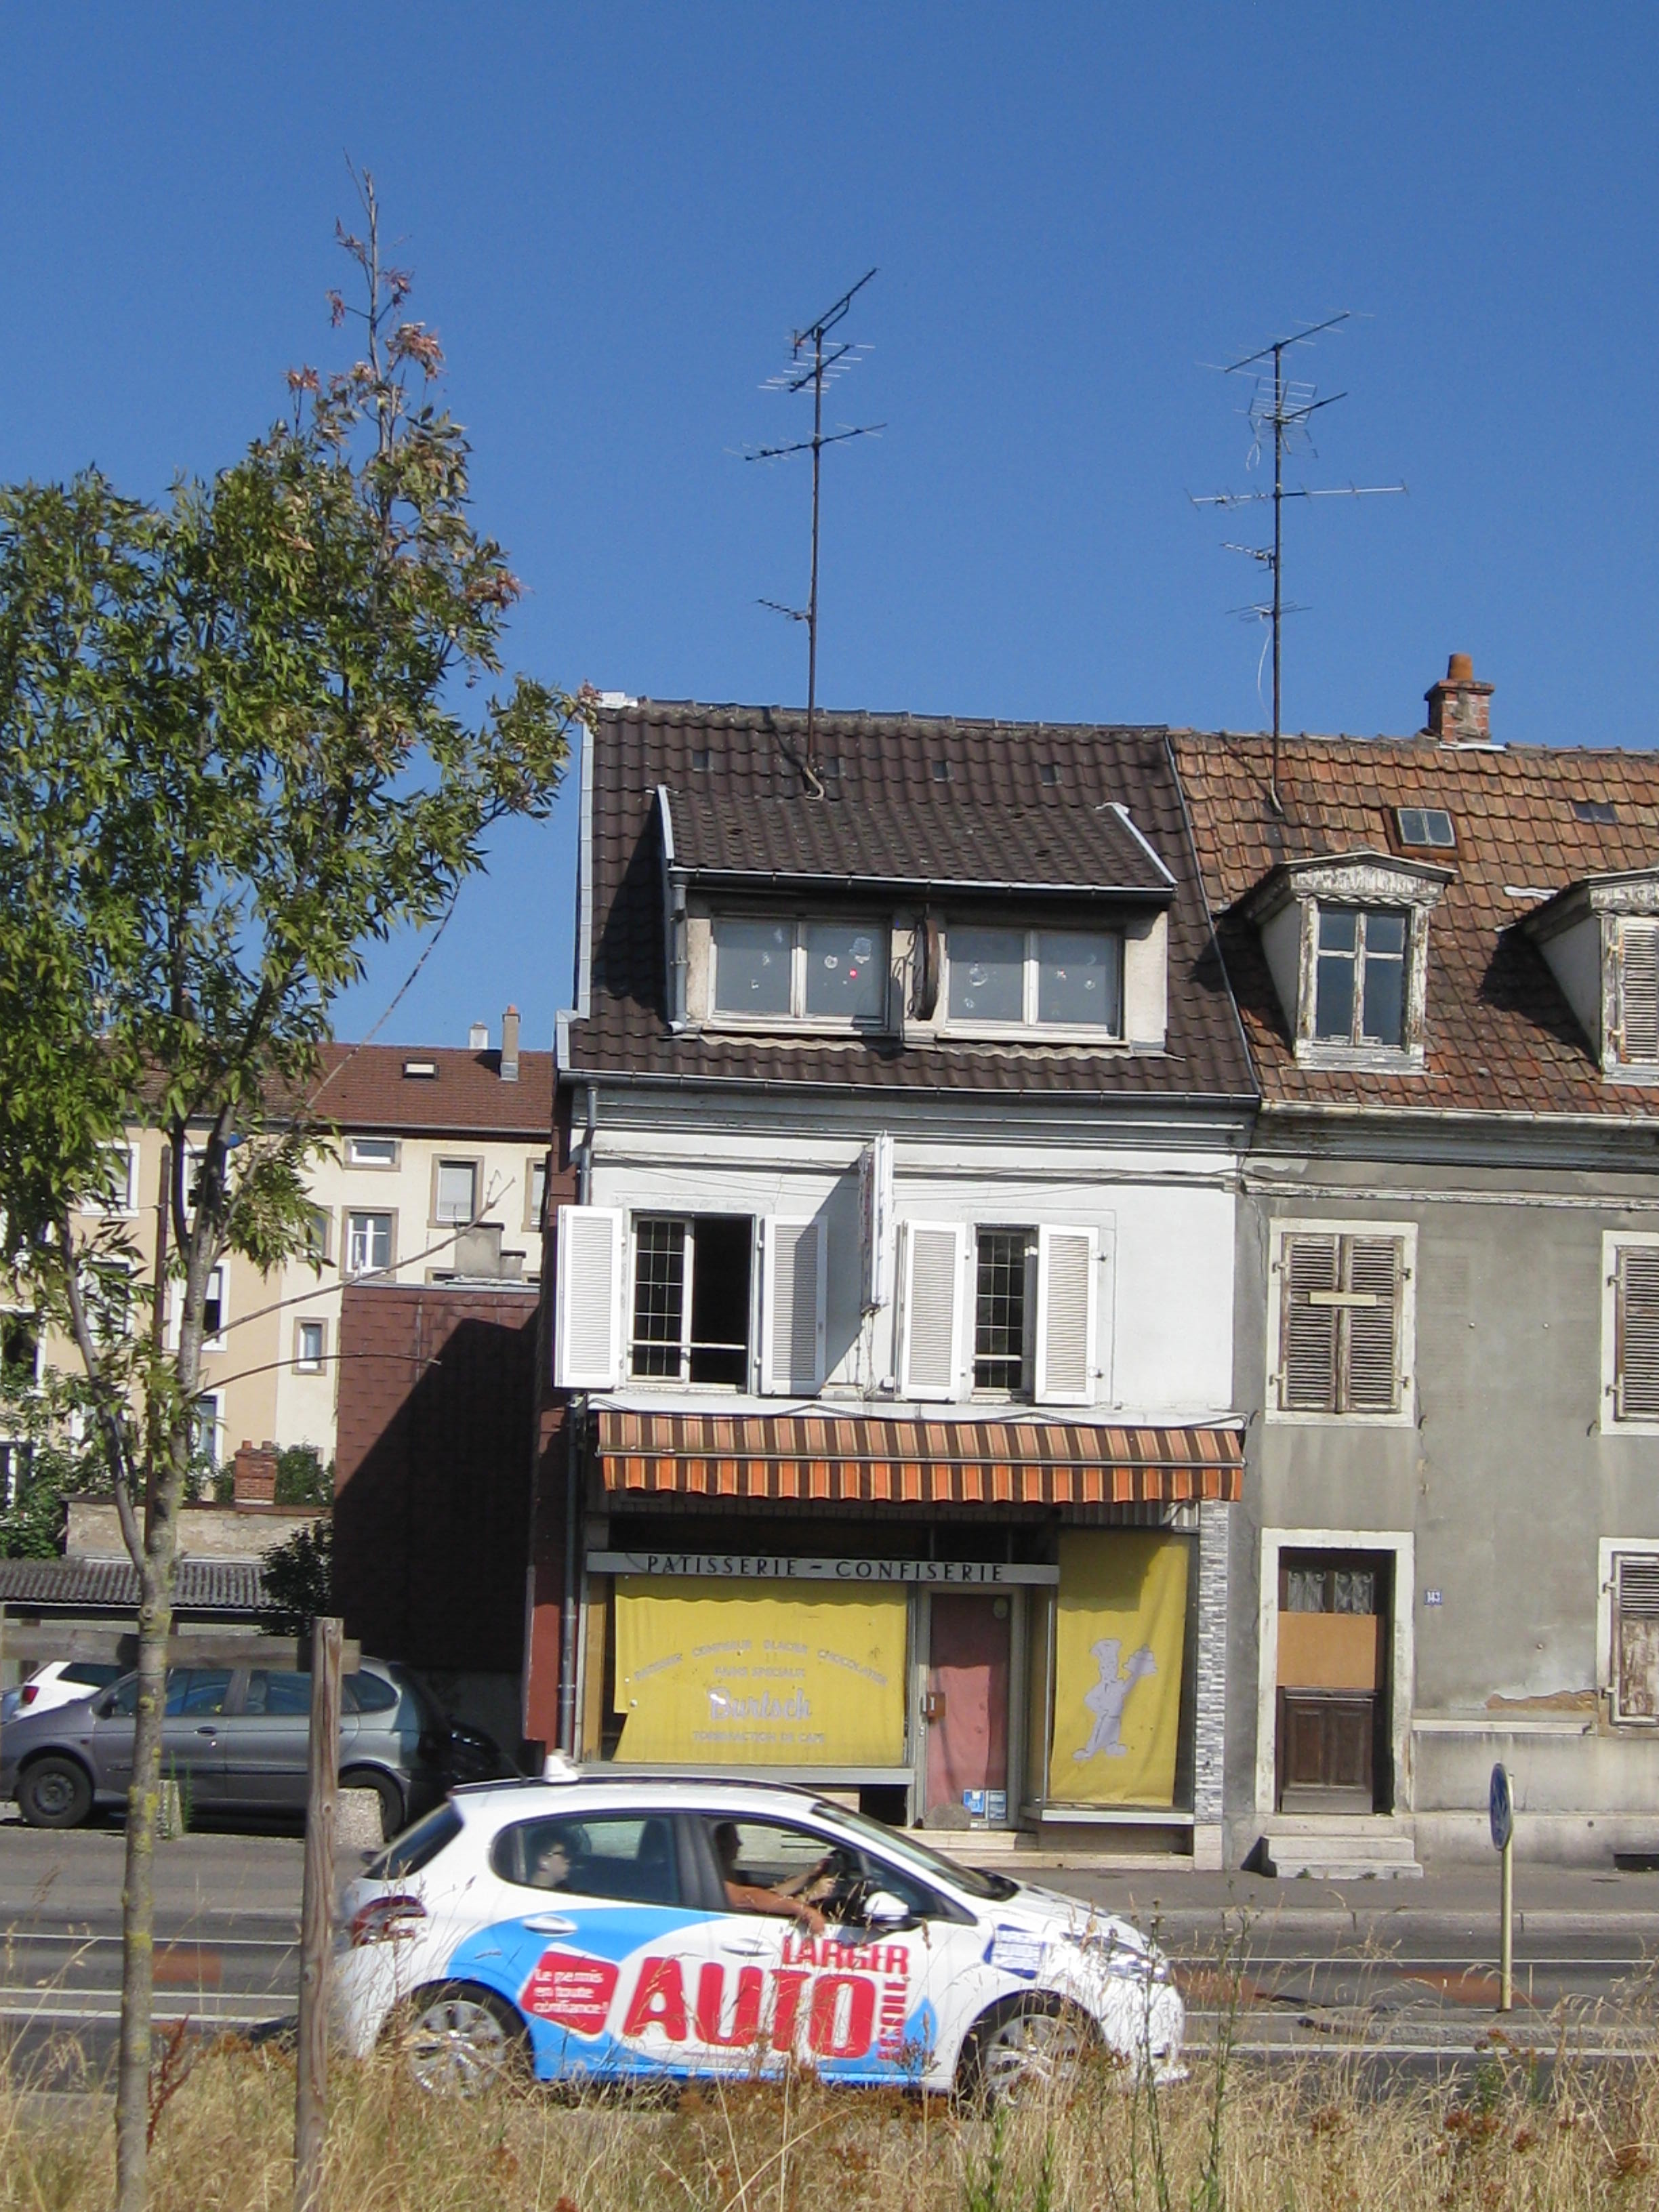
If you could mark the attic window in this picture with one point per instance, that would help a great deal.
(425, 1070)
(941, 771)
(1595, 810)
(1049, 772)
(700, 758)
(1425, 829)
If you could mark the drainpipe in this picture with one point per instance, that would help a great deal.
(568, 1638)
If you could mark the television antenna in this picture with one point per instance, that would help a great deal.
(816, 361)
(1283, 407)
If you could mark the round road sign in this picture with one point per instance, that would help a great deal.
(1501, 1806)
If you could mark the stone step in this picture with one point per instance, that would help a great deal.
(1341, 1851)
(1350, 1846)
(1294, 1869)
(1342, 1824)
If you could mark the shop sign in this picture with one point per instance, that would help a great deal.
(991, 1574)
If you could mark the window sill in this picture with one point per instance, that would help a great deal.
(1277, 1418)
(786, 1026)
(1014, 1033)
(1628, 1070)
(1370, 1058)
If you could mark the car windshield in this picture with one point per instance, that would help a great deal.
(970, 1880)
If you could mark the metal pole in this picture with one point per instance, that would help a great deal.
(316, 1914)
(1506, 1937)
(812, 595)
(1278, 547)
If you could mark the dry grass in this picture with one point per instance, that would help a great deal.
(1311, 2136)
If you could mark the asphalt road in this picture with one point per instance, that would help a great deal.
(1389, 1975)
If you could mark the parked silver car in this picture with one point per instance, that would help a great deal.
(237, 1739)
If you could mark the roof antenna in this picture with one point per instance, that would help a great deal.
(817, 362)
(1284, 407)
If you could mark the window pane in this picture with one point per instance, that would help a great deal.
(1356, 1591)
(372, 1151)
(988, 974)
(631, 1859)
(659, 1295)
(368, 1242)
(846, 971)
(1000, 1311)
(752, 966)
(1385, 999)
(368, 1694)
(1385, 933)
(310, 1344)
(1305, 1590)
(1077, 978)
(1338, 936)
(278, 1693)
(456, 1184)
(1339, 928)
(722, 1246)
(213, 1306)
(197, 1690)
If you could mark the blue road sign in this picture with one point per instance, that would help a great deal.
(1501, 1806)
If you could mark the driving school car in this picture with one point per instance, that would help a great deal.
(586, 1928)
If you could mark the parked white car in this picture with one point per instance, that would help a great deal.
(623, 1930)
(64, 1682)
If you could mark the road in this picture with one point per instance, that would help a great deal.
(1389, 1974)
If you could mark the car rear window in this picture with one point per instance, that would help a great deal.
(417, 1847)
(631, 1857)
(90, 1674)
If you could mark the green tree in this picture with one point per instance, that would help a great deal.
(244, 735)
(299, 1579)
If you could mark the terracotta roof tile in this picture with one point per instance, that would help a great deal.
(364, 1087)
(1500, 1034)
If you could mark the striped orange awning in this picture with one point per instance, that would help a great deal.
(860, 1459)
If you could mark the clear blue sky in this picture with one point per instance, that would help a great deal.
(617, 213)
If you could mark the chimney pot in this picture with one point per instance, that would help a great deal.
(1460, 708)
(253, 1474)
(477, 1037)
(510, 1045)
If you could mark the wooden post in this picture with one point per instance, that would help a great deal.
(316, 1912)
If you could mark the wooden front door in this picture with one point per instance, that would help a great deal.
(968, 1705)
(1332, 1688)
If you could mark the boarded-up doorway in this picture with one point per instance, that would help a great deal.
(1335, 1612)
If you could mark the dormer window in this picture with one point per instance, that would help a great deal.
(777, 968)
(1346, 940)
(1600, 938)
(1360, 992)
(1067, 980)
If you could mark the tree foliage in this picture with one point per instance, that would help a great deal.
(299, 1579)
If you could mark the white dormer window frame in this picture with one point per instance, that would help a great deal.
(1307, 908)
(814, 945)
(1039, 944)
(1600, 938)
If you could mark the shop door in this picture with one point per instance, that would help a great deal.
(968, 1707)
(1332, 1701)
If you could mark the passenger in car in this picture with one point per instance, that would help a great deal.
(550, 1869)
(780, 1903)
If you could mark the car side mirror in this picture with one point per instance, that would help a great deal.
(883, 1910)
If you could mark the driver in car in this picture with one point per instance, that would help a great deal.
(791, 1899)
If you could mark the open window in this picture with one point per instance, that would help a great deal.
(691, 1299)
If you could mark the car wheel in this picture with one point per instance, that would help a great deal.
(1031, 2048)
(55, 1793)
(391, 1797)
(458, 2040)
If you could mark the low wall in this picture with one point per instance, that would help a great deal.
(205, 1532)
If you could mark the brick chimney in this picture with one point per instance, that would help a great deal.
(253, 1474)
(1460, 709)
(510, 1045)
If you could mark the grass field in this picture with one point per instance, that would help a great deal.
(1294, 2139)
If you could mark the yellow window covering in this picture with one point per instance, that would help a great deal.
(707, 1674)
(1119, 1635)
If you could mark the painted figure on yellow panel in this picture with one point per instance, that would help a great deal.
(1108, 1697)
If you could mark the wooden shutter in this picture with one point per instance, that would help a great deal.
(587, 1302)
(931, 1360)
(1307, 1332)
(1636, 1324)
(1635, 1636)
(1372, 1269)
(1639, 991)
(794, 1274)
(1066, 1275)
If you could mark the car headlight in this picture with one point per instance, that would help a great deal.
(1130, 1958)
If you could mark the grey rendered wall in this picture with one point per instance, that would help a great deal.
(1505, 1482)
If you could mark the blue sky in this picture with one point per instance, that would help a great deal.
(616, 214)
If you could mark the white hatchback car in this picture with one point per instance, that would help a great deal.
(611, 1931)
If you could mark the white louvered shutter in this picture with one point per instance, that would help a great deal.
(1371, 1384)
(1635, 1636)
(1067, 1276)
(794, 1278)
(1639, 991)
(588, 1339)
(1307, 1330)
(1637, 1323)
(934, 1258)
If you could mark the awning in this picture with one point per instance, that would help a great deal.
(869, 1460)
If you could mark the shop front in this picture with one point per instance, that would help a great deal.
(964, 1624)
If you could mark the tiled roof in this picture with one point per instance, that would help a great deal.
(869, 1460)
(746, 759)
(1499, 1033)
(364, 1087)
(1050, 847)
(111, 1586)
